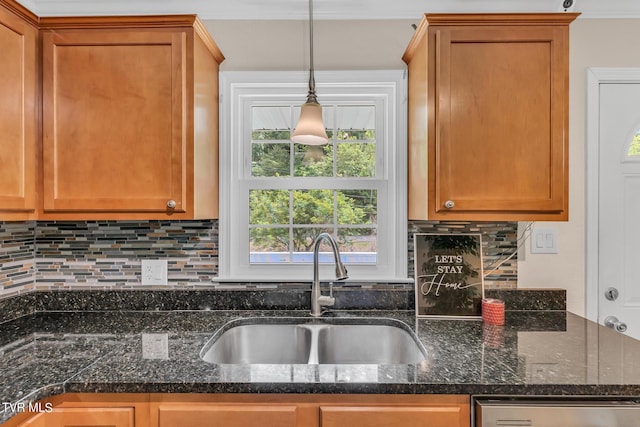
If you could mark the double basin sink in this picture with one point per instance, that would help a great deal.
(284, 340)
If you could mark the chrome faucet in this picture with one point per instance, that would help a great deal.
(317, 299)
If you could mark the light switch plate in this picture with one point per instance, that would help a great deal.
(544, 241)
(154, 272)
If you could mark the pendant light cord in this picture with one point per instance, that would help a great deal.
(311, 96)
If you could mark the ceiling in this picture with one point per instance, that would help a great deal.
(325, 9)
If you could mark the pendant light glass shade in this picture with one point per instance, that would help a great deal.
(310, 128)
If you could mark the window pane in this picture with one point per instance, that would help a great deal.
(269, 159)
(328, 118)
(310, 160)
(356, 122)
(269, 245)
(634, 148)
(303, 245)
(268, 207)
(270, 148)
(356, 160)
(303, 239)
(358, 245)
(271, 123)
(357, 206)
(356, 136)
(270, 135)
(313, 207)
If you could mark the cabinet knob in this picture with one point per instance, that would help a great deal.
(171, 204)
(449, 204)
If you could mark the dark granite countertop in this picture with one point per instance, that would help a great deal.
(535, 353)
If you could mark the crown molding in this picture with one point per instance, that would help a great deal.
(325, 9)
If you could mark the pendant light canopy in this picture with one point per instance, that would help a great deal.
(310, 128)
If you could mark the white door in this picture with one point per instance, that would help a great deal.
(619, 206)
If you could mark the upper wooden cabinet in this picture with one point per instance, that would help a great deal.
(18, 112)
(129, 118)
(488, 117)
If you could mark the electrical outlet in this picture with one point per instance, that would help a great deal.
(155, 346)
(154, 272)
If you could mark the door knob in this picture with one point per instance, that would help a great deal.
(613, 323)
(449, 204)
(171, 204)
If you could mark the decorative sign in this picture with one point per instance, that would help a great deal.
(449, 279)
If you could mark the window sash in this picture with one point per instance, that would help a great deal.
(377, 100)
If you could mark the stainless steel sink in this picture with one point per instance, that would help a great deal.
(260, 344)
(368, 344)
(314, 341)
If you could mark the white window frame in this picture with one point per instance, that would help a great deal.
(239, 87)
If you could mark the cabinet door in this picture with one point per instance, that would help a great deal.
(114, 125)
(83, 417)
(374, 416)
(17, 117)
(500, 142)
(196, 415)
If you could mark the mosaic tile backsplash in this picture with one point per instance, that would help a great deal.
(17, 256)
(107, 254)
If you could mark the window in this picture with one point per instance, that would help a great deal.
(634, 146)
(276, 196)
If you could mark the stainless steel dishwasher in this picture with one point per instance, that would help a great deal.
(556, 413)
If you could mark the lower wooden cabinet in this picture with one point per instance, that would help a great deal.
(396, 410)
(228, 415)
(251, 410)
(85, 410)
(386, 416)
(83, 417)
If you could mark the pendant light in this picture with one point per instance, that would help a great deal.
(310, 129)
